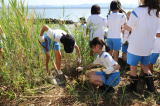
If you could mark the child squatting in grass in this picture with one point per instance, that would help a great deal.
(108, 77)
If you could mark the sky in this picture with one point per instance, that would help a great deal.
(73, 2)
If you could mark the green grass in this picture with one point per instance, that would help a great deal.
(23, 62)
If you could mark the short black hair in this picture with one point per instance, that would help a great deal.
(95, 9)
(115, 5)
(68, 42)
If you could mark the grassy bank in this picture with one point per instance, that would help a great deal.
(22, 65)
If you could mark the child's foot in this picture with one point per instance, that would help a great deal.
(105, 88)
(60, 79)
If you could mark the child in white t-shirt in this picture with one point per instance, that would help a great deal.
(96, 23)
(50, 39)
(143, 24)
(83, 25)
(115, 20)
(156, 50)
(125, 38)
(109, 77)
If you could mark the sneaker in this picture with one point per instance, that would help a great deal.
(60, 79)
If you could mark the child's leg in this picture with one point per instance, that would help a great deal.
(116, 48)
(109, 42)
(58, 59)
(153, 60)
(115, 55)
(47, 61)
(58, 56)
(47, 44)
(148, 78)
(95, 79)
(124, 56)
(113, 79)
(133, 60)
(124, 52)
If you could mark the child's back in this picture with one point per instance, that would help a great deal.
(96, 25)
(115, 21)
(144, 27)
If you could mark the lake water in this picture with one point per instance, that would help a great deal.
(71, 14)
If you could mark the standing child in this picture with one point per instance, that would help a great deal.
(156, 50)
(125, 41)
(143, 23)
(115, 22)
(83, 25)
(50, 39)
(96, 23)
(111, 67)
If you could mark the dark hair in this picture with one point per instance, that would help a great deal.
(152, 4)
(83, 19)
(95, 9)
(97, 41)
(116, 5)
(68, 42)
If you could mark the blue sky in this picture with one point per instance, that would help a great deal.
(73, 2)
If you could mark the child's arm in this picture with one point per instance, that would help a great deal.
(126, 27)
(78, 53)
(44, 29)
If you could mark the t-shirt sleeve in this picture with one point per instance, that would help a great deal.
(133, 20)
(108, 64)
(49, 32)
(108, 60)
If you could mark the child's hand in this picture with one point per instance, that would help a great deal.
(126, 27)
(79, 60)
(116, 67)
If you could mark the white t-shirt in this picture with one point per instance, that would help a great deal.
(106, 60)
(156, 48)
(115, 21)
(83, 29)
(96, 24)
(144, 28)
(54, 35)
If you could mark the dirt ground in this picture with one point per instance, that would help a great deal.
(79, 92)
